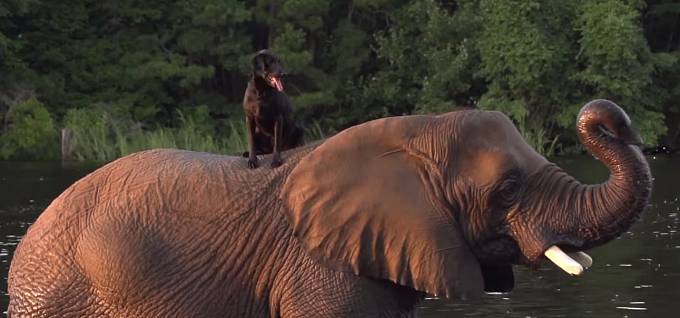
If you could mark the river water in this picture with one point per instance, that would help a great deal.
(637, 275)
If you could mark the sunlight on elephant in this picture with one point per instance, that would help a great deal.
(363, 224)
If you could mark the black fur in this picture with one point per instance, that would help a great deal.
(269, 122)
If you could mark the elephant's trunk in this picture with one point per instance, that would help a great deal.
(607, 210)
(577, 216)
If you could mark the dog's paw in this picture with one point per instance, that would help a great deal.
(252, 163)
(276, 161)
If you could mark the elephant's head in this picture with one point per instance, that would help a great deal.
(445, 204)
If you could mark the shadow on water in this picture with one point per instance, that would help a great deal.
(634, 276)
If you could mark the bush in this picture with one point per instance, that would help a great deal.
(30, 133)
(92, 134)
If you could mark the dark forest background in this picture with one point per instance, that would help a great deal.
(125, 75)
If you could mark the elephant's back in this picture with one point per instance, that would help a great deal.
(158, 179)
(163, 180)
(140, 210)
(169, 182)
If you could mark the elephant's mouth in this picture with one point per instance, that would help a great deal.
(573, 261)
(566, 256)
(499, 249)
(564, 252)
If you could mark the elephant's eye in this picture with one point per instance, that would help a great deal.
(507, 192)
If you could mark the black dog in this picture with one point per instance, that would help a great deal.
(268, 112)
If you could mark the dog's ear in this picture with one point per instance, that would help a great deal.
(258, 65)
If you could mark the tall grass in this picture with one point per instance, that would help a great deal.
(91, 135)
(236, 139)
(537, 137)
(314, 132)
(541, 144)
(99, 138)
(189, 136)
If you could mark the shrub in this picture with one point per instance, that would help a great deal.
(30, 133)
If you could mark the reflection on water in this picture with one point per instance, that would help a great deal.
(635, 276)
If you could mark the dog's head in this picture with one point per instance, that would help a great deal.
(267, 66)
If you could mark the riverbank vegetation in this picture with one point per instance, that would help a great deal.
(128, 75)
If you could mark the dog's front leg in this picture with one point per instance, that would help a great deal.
(252, 156)
(278, 129)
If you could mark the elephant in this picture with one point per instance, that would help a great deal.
(365, 223)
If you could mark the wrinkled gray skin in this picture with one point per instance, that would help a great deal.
(360, 225)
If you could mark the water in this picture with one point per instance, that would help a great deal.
(636, 275)
(26, 188)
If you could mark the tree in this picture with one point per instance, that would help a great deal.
(618, 63)
(350, 61)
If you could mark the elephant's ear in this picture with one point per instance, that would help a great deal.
(363, 202)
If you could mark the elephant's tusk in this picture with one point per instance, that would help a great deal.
(582, 258)
(563, 261)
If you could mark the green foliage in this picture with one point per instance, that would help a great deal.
(429, 61)
(623, 66)
(193, 133)
(146, 64)
(30, 132)
(525, 57)
(314, 132)
(100, 137)
(92, 134)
